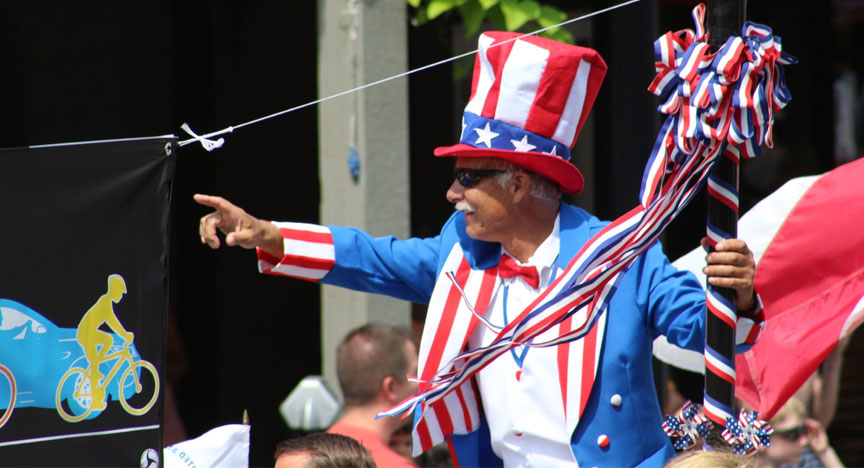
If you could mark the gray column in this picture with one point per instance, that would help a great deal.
(360, 42)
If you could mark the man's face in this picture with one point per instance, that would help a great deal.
(400, 442)
(487, 205)
(409, 388)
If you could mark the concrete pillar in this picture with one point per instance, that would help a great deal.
(359, 42)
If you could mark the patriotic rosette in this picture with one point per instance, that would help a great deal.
(747, 433)
(711, 100)
(686, 426)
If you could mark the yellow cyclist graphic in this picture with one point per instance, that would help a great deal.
(97, 343)
(82, 393)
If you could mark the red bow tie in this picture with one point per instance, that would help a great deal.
(508, 268)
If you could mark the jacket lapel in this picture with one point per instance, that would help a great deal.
(577, 360)
(449, 324)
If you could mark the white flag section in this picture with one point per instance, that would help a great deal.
(225, 446)
(757, 227)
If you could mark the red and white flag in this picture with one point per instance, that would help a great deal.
(808, 240)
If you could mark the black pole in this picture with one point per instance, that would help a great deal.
(724, 19)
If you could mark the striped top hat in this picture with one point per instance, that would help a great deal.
(529, 99)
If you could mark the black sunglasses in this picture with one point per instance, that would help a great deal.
(468, 177)
(791, 434)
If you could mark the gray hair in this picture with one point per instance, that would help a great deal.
(542, 188)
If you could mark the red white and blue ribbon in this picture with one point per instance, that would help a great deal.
(687, 426)
(747, 433)
(723, 100)
(695, 133)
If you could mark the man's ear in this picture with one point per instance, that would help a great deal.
(388, 388)
(521, 185)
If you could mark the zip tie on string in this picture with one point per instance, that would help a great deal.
(210, 145)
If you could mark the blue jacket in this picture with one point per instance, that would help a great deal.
(652, 298)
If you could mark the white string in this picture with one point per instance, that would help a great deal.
(206, 138)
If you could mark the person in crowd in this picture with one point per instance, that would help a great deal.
(322, 450)
(400, 440)
(373, 363)
(797, 441)
(592, 401)
(438, 456)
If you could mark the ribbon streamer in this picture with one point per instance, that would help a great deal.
(728, 99)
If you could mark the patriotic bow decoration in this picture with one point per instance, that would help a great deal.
(714, 99)
(711, 100)
(687, 426)
(747, 433)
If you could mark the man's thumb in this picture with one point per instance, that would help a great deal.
(242, 237)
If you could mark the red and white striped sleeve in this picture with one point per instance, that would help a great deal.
(309, 252)
(750, 324)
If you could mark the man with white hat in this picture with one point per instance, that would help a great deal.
(587, 403)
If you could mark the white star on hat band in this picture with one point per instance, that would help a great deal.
(481, 132)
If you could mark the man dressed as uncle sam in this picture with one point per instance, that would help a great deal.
(589, 402)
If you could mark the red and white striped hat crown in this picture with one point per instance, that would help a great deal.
(529, 99)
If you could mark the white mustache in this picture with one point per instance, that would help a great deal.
(464, 207)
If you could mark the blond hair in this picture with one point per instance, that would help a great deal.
(709, 459)
(792, 407)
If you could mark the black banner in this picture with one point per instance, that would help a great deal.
(83, 301)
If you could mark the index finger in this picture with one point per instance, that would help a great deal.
(212, 201)
(731, 245)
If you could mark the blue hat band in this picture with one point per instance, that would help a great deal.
(481, 132)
